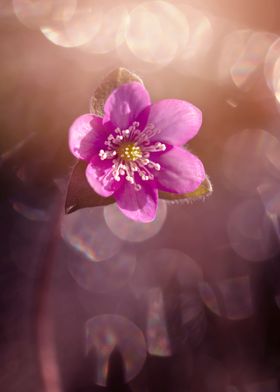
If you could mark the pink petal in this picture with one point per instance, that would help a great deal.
(180, 171)
(138, 205)
(86, 136)
(125, 104)
(99, 176)
(178, 121)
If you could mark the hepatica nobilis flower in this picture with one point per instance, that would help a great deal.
(136, 149)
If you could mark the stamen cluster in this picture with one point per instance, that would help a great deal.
(130, 150)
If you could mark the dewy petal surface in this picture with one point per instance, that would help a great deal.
(125, 104)
(98, 174)
(180, 172)
(86, 135)
(178, 121)
(138, 205)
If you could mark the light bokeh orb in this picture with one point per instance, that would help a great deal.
(129, 230)
(159, 267)
(102, 277)
(231, 298)
(35, 13)
(156, 30)
(276, 80)
(158, 274)
(233, 46)
(250, 232)
(77, 31)
(107, 333)
(269, 193)
(247, 158)
(201, 33)
(111, 33)
(271, 68)
(86, 231)
(251, 57)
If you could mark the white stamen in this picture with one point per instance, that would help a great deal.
(130, 151)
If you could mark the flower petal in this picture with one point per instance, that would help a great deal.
(178, 121)
(125, 103)
(180, 171)
(86, 136)
(138, 205)
(99, 176)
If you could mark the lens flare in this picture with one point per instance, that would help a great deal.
(131, 231)
(85, 230)
(107, 334)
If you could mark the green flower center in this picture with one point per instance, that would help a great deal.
(129, 151)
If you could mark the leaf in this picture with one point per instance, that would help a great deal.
(205, 189)
(115, 78)
(80, 194)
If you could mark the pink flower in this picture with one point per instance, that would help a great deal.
(137, 149)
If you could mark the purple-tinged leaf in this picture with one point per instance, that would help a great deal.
(80, 194)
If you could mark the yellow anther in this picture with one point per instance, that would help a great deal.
(129, 152)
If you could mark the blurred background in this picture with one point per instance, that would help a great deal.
(92, 301)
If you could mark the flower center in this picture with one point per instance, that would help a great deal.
(129, 151)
